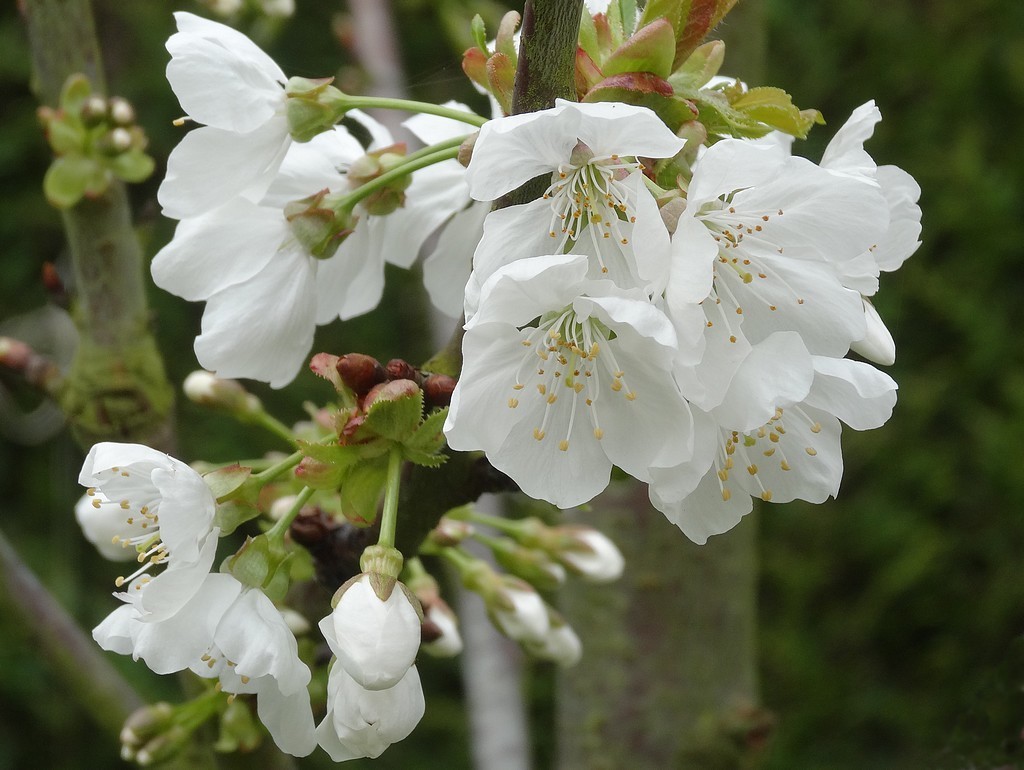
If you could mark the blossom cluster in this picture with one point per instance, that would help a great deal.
(701, 346)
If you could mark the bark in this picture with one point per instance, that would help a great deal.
(117, 388)
(668, 677)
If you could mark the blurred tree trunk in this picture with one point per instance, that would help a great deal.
(668, 677)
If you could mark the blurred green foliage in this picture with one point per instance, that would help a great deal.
(892, 619)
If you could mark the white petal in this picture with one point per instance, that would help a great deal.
(166, 594)
(527, 288)
(877, 344)
(855, 392)
(187, 508)
(845, 153)
(377, 640)
(288, 718)
(210, 166)
(263, 328)
(237, 88)
(613, 128)
(704, 513)
(218, 249)
(446, 269)
(904, 233)
(352, 281)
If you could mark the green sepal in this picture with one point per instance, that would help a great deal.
(342, 455)
(626, 10)
(429, 436)
(231, 514)
(393, 419)
(223, 481)
(362, 488)
(652, 49)
(132, 166)
(71, 177)
(588, 36)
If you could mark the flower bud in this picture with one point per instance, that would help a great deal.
(397, 369)
(94, 110)
(531, 564)
(518, 611)
(437, 390)
(360, 372)
(589, 554)
(560, 645)
(450, 532)
(377, 639)
(392, 390)
(202, 387)
(391, 196)
(440, 634)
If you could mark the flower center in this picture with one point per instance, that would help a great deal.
(590, 194)
(766, 444)
(564, 365)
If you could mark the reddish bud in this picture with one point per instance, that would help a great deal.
(437, 390)
(390, 391)
(397, 369)
(360, 372)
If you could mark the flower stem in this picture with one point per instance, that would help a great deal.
(278, 468)
(281, 526)
(387, 103)
(389, 518)
(347, 201)
(270, 423)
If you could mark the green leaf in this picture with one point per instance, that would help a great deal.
(395, 420)
(627, 12)
(133, 166)
(702, 65)
(479, 32)
(426, 459)
(75, 91)
(340, 455)
(65, 136)
(68, 179)
(429, 436)
(588, 36)
(674, 11)
(651, 49)
(362, 488)
(775, 107)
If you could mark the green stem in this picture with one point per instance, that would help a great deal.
(273, 425)
(350, 102)
(347, 201)
(389, 518)
(502, 525)
(277, 532)
(445, 145)
(278, 468)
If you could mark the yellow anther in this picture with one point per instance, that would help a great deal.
(811, 451)
(729, 462)
(125, 505)
(726, 494)
(598, 433)
(816, 428)
(538, 434)
(631, 396)
(773, 437)
(513, 403)
(518, 386)
(563, 445)
(578, 387)
(616, 386)
(769, 452)
(552, 398)
(95, 503)
(752, 469)
(766, 495)
(723, 474)
(785, 466)
(90, 491)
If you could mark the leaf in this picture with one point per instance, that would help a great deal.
(702, 65)
(133, 166)
(775, 107)
(362, 488)
(65, 136)
(429, 436)
(75, 91)
(479, 32)
(67, 180)
(651, 49)
(393, 419)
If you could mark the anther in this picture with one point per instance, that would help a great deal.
(563, 445)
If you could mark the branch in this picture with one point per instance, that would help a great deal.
(75, 658)
(117, 388)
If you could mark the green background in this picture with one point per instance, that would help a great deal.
(891, 619)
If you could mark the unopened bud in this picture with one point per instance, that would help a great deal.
(202, 387)
(392, 390)
(450, 532)
(397, 369)
(440, 633)
(94, 110)
(360, 372)
(121, 111)
(437, 390)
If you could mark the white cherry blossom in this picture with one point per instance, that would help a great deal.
(227, 83)
(555, 402)
(597, 203)
(166, 514)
